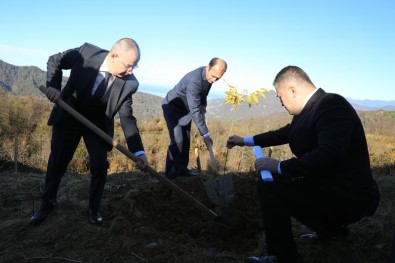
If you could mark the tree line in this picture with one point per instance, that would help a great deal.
(25, 139)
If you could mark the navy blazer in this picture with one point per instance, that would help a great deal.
(84, 63)
(188, 97)
(330, 146)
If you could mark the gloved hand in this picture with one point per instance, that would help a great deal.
(268, 164)
(143, 164)
(234, 140)
(52, 94)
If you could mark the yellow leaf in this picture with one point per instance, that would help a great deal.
(249, 101)
(260, 93)
(254, 97)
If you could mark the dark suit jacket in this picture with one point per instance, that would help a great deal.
(329, 143)
(84, 63)
(188, 97)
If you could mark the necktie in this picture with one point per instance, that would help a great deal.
(101, 89)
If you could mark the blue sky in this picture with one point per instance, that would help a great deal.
(346, 47)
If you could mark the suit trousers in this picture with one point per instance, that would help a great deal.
(177, 158)
(64, 141)
(316, 205)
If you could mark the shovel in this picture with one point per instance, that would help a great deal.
(219, 189)
(228, 222)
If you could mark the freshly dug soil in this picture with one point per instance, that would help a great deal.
(144, 221)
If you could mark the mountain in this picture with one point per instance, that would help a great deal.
(147, 106)
(387, 105)
(217, 108)
(25, 80)
(22, 81)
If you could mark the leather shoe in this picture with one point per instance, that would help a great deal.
(95, 219)
(264, 259)
(41, 214)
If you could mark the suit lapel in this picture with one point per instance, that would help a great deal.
(307, 108)
(310, 103)
(88, 80)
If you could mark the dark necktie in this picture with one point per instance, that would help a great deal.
(102, 87)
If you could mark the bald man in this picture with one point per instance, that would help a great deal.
(187, 101)
(101, 84)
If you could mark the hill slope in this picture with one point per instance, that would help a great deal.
(26, 80)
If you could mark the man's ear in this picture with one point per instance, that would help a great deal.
(292, 90)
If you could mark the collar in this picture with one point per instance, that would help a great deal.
(309, 97)
(104, 67)
(204, 73)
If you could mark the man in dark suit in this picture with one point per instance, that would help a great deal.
(187, 101)
(101, 84)
(328, 184)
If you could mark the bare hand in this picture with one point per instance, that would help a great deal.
(52, 94)
(142, 165)
(268, 164)
(234, 140)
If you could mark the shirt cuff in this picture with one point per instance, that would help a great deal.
(279, 168)
(206, 135)
(139, 153)
(249, 141)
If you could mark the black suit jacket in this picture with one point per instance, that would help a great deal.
(84, 63)
(329, 143)
(188, 97)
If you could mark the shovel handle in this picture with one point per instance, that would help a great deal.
(130, 155)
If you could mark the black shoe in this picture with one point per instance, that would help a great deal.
(95, 219)
(264, 259)
(188, 173)
(41, 214)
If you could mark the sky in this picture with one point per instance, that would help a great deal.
(346, 47)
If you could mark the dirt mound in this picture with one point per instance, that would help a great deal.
(143, 221)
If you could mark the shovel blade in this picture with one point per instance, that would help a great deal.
(220, 190)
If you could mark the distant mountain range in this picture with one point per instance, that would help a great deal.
(387, 105)
(25, 80)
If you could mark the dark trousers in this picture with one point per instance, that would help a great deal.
(177, 158)
(313, 204)
(64, 141)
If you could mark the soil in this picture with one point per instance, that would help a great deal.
(143, 221)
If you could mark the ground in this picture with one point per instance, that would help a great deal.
(145, 221)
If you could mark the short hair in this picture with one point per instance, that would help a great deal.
(125, 44)
(214, 62)
(291, 72)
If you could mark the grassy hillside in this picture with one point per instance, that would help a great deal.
(145, 221)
